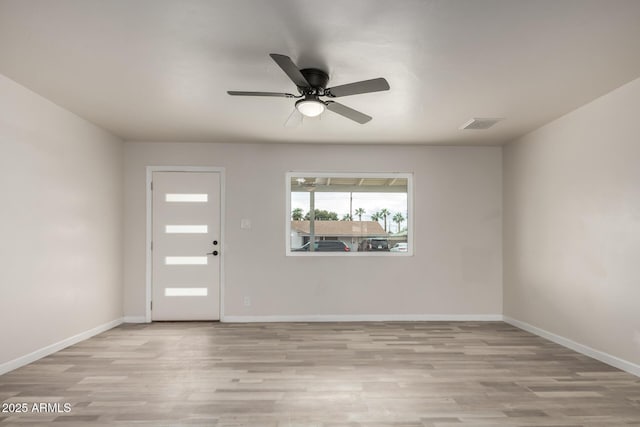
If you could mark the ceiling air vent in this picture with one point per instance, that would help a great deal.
(478, 123)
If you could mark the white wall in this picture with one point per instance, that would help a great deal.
(456, 270)
(60, 224)
(572, 226)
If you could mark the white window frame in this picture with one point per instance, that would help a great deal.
(410, 194)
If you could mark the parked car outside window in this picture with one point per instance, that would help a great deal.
(374, 244)
(400, 247)
(325, 246)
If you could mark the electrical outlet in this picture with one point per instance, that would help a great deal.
(247, 301)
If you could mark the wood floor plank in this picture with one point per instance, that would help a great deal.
(363, 374)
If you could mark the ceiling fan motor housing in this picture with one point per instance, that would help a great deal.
(318, 79)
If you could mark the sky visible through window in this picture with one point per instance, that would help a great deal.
(339, 203)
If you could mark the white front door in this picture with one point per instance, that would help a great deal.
(186, 246)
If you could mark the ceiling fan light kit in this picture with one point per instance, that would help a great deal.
(310, 107)
(312, 84)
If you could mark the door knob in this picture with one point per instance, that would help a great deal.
(215, 242)
(214, 253)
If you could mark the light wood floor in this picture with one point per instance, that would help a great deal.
(437, 374)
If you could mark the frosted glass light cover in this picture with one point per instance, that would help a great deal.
(310, 108)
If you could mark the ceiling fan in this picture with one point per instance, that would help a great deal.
(312, 84)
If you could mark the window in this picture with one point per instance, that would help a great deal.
(186, 197)
(349, 214)
(185, 292)
(186, 229)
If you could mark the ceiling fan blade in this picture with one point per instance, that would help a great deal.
(365, 86)
(294, 120)
(347, 112)
(290, 69)
(276, 94)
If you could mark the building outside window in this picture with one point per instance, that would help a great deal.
(361, 213)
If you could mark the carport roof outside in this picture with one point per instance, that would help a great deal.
(340, 228)
(348, 184)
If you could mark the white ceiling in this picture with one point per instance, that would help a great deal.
(159, 69)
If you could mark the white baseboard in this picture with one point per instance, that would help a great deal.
(366, 318)
(607, 358)
(45, 351)
(135, 319)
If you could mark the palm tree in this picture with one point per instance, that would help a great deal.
(385, 212)
(347, 217)
(376, 216)
(322, 215)
(297, 214)
(398, 218)
(359, 212)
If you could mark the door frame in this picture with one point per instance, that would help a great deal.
(150, 171)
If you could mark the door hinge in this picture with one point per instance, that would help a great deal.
(152, 245)
(151, 185)
(151, 305)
